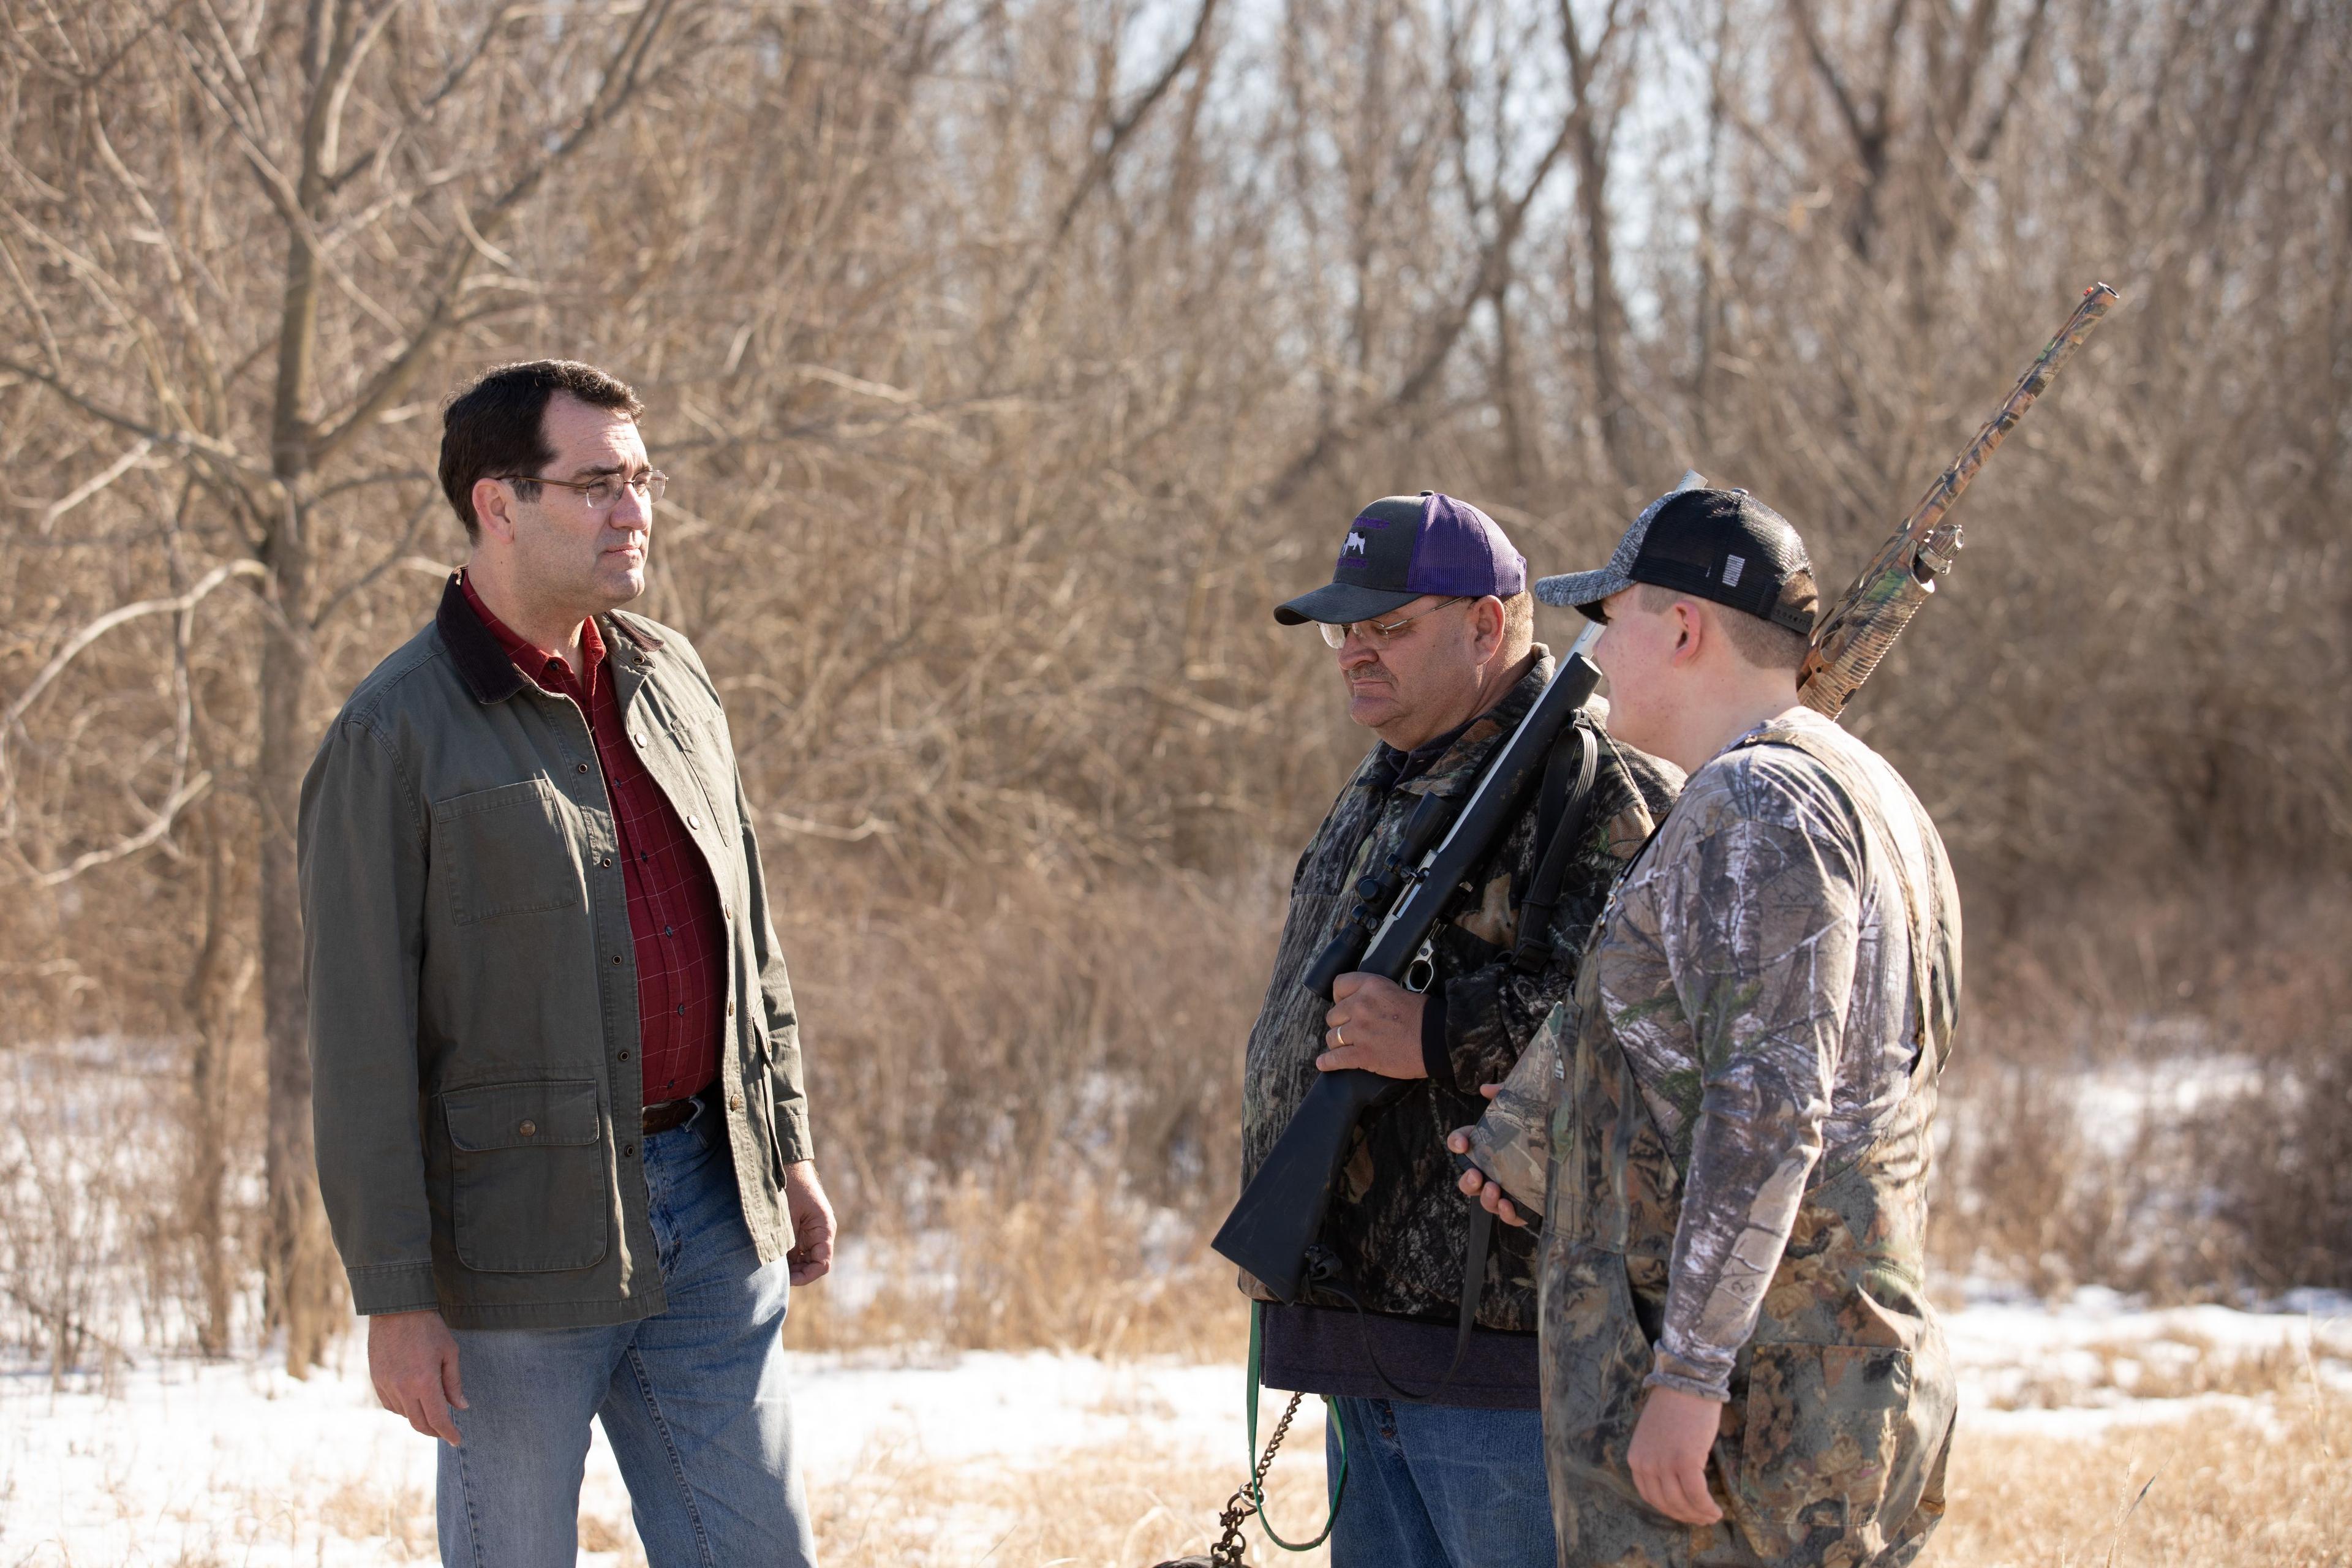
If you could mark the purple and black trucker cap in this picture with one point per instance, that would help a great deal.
(1719, 544)
(1400, 547)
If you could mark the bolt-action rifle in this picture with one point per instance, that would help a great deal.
(1273, 1227)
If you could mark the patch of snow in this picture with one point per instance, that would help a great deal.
(189, 1462)
(2115, 1104)
(2099, 1359)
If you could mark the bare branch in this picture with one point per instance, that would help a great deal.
(182, 605)
(393, 558)
(91, 486)
(1098, 168)
(621, 81)
(194, 442)
(161, 823)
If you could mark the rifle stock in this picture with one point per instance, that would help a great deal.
(1282, 1209)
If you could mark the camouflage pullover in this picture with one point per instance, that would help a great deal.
(1397, 1223)
(1757, 966)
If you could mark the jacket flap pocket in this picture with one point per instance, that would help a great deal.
(522, 1116)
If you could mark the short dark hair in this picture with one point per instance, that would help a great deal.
(1767, 644)
(497, 424)
(1519, 620)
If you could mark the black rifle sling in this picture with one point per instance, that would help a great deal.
(1559, 824)
(1562, 805)
(1324, 1272)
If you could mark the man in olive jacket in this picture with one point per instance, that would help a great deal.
(561, 1132)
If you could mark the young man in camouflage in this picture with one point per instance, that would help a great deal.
(1743, 1094)
(1431, 621)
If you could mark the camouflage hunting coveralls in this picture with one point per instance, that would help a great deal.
(1397, 1223)
(1739, 1140)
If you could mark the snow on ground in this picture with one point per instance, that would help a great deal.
(181, 1462)
(2098, 1360)
(185, 1462)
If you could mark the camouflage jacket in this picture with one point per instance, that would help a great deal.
(1397, 1224)
(1740, 1140)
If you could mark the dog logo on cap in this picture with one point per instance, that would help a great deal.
(1357, 545)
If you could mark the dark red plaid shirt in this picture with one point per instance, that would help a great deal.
(674, 916)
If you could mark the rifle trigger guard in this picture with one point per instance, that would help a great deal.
(1422, 972)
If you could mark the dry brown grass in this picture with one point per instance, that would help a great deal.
(1126, 1510)
(2223, 1490)
(401, 1520)
(2267, 1489)
(1087, 1274)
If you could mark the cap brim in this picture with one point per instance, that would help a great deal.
(1336, 603)
(1583, 590)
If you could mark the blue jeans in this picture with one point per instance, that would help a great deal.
(1432, 1485)
(693, 1401)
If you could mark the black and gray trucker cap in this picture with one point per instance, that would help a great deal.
(1717, 544)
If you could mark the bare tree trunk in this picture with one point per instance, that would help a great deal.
(305, 1288)
(215, 986)
(1594, 130)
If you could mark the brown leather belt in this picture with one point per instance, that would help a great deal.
(666, 1115)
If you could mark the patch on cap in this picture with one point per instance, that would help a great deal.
(1399, 548)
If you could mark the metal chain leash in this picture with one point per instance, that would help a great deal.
(1227, 1552)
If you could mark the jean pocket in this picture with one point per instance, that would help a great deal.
(507, 851)
(1824, 1427)
(526, 1176)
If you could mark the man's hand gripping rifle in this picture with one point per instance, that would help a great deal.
(1273, 1228)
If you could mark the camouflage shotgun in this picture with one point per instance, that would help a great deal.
(1507, 1146)
(1864, 624)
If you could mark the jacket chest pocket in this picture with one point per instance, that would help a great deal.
(526, 1176)
(505, 852)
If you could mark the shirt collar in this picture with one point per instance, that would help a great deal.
(529, 657)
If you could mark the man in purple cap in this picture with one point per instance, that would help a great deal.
(1431, 624)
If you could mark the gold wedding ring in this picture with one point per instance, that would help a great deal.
(1336, 1035)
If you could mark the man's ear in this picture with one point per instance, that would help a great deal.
(1690, 631)
(1486, 627)
(493, 505)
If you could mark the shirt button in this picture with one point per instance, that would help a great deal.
(607, 862)
(584, 767)
(695, 823)
(528, 1129)
(681, 1009)
(734, 1103)
(628, 1151)
(640, 739)
(669, 930)
(730, 1007)
(616, 958)
(624, 1055)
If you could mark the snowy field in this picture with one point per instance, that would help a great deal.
(180, 1463)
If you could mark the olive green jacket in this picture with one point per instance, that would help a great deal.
(472, 988)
